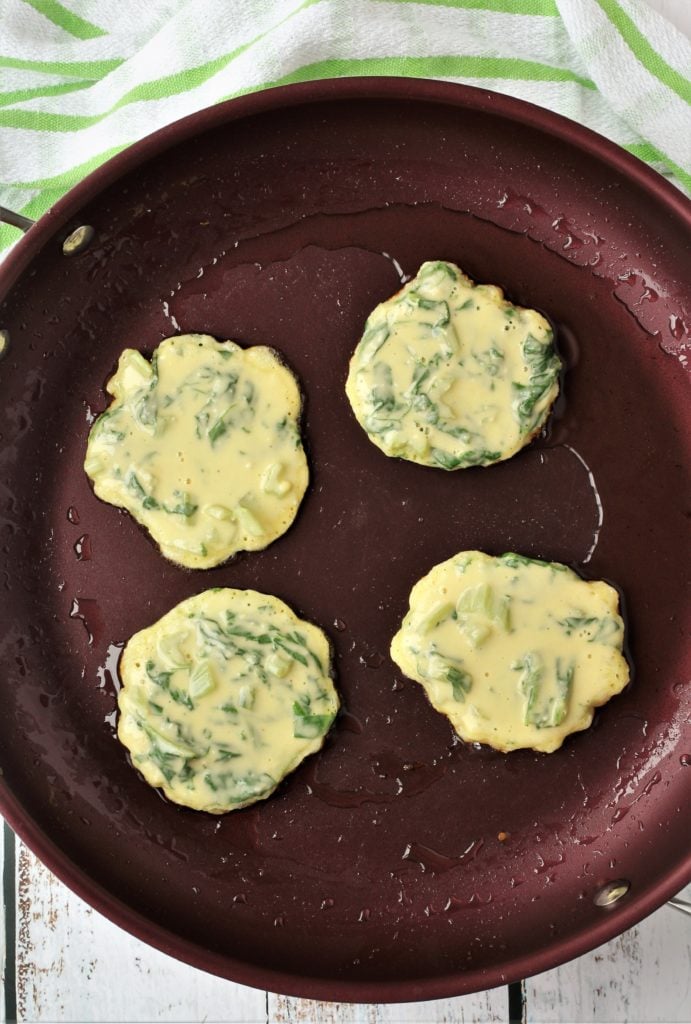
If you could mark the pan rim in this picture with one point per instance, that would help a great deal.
(615, 920)
(357, 88)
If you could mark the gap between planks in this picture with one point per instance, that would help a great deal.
(75, 966)
(8, 998)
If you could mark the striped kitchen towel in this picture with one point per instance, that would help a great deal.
(82, 79)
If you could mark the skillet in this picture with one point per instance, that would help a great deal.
(399, 863)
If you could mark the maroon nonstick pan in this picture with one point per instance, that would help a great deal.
(398, 863)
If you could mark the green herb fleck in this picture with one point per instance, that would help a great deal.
(461, 682)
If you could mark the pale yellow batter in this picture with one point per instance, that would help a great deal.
(449, 374)
(202, 446)
(223, 697)
(515, 652)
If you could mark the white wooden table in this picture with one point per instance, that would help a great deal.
(61, 961)
(73, 965)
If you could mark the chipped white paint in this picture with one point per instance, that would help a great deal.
(481, 1008)
(641, 977)
(68, 957)
(74, 965)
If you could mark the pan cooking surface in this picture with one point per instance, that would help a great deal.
(398, 862)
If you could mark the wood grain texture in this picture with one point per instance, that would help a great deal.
(641, 977)
(74, 965)
(68, 957)
(481, 1008)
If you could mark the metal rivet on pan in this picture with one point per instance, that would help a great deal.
(4, 343)
(78, 240)
(611, 893)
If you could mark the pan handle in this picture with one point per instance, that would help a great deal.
(17, 220)
(682, 905)
(79, 239)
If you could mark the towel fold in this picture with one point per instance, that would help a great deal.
(82, 79)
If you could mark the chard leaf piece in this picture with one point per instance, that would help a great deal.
(451, 375)
(461, 682)
(224, 696)
(540, 646)
(311, 726)
(201, 680)
(193, 437)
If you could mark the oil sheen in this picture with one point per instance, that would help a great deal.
(515, 652)
(202, 446)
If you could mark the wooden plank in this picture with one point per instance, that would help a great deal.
(68, 957)
(481, 1008)
(641, 977)
(3, 916)
(74, 965)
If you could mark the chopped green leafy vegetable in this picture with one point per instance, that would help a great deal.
(442, 379)
(461, 682)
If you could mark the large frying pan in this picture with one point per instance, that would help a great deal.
(398, 863)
